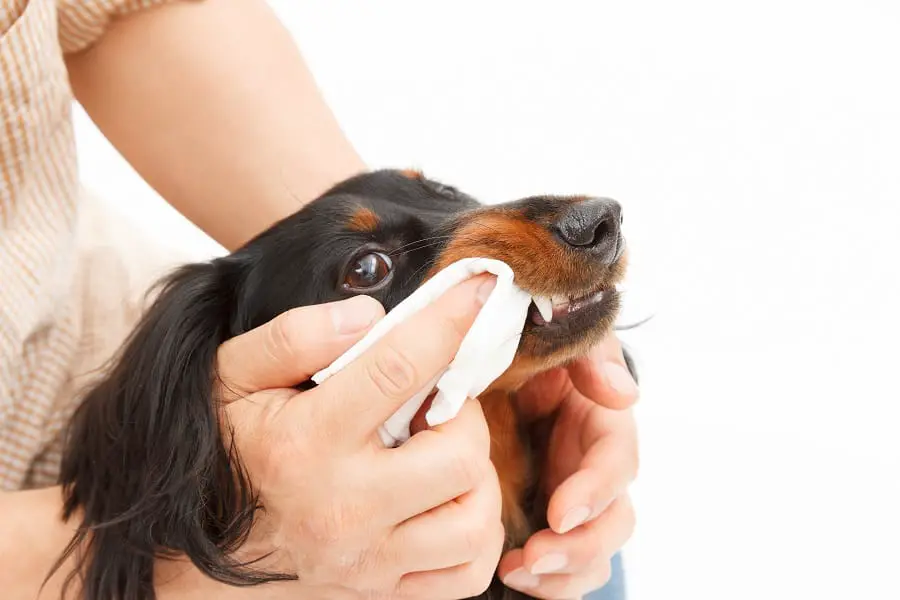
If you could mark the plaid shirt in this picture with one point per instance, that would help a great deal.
(48, 329)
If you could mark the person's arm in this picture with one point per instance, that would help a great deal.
(31, 541)
(211, 102)
(33, 535)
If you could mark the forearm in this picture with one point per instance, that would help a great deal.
(33, 536)
(211, 102)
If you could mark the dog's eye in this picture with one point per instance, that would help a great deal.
(367, 271)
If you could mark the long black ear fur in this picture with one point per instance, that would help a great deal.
(145, 467)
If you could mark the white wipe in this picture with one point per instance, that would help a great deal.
(485, 353)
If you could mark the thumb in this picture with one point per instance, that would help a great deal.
(291, 347)
(603, 376)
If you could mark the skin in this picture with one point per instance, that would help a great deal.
(370, 530)
(247, 110)
(250, 113)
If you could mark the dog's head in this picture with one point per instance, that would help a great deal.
(384, 233)
(145, 463)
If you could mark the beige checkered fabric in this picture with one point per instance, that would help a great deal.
(66, 298)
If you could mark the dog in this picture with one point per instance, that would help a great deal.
(381, 233)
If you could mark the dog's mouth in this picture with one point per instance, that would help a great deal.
(566, 311)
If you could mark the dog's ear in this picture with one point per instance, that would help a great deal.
(145, 468)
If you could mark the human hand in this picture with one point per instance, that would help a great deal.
(348, 516)
(591, 459)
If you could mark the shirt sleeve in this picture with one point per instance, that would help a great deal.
(82, 22)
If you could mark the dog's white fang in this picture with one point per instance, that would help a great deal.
(544, 306)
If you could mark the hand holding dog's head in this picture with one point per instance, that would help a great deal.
(342, 512)
(287, 350)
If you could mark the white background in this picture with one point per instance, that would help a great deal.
(756, 148)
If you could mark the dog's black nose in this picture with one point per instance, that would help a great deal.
(593, 226)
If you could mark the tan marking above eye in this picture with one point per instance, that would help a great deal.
(412, 173)
(363, 219)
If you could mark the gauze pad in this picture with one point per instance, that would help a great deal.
(485, 353)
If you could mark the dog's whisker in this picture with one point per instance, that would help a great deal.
(422, 240)
(427, 243)
(418, 245)
(415, 273)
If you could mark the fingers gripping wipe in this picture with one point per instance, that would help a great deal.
(486, 351)
(393, 373)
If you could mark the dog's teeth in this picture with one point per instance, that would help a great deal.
(560, 300)
(544, 306)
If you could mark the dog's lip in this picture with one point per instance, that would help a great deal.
(555, 309)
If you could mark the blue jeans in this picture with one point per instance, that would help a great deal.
(615, 588)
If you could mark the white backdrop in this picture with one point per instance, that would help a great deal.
(756, 148)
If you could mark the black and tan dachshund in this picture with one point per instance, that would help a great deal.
(382, 234)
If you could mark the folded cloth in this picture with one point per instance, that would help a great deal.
(486, 351)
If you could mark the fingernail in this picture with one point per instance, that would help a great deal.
(575, 517)
(354, 314)
(521, 579)
(549, 563)
(619, 379)
(485, 289)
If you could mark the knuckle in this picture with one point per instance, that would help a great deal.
(387, 594)
(322, 528)
(273, 454)
(487, 525)
(386, 560)
(473, 581)
(478, 584)
(364, 569)
(278, 453)
(393, 373)
(497, 544)
(330, 526)
(496, 493)
(478, 579)
(481, 437)
(472, 424)
(466, 468)
(458, 325)
(281, 338)
(472, 532)
(287, 445)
